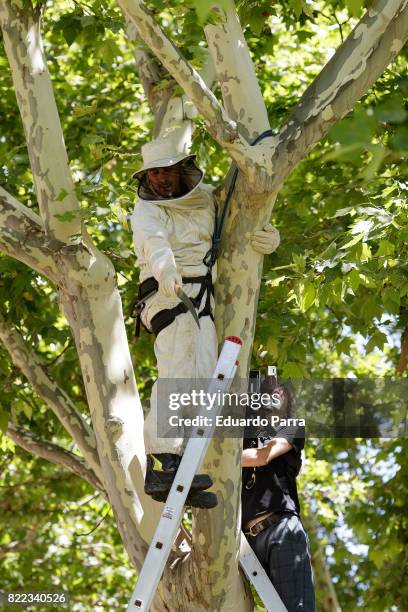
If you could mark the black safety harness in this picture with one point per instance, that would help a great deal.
(166, 316)
(150, 285)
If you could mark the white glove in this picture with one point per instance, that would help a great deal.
(169, 283)
(265, 241)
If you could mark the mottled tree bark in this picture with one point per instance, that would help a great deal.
(21, 28)
(54, 453)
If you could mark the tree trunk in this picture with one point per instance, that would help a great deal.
(325, 589)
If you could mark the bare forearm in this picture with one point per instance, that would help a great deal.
(253, 457)
(257, 457)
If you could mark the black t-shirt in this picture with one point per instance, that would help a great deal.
(272, 488)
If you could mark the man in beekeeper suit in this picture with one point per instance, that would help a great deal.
(173, 224)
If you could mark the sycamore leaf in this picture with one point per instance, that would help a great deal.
(353, 241)
(354, 7)
(307, 296)
(109, 51)
(385, 248)
(378, 339)
(69, 215)
(293, 370)
(297, 7)
(204, 8)
(365, 252)
(354, 280)
(299, 261)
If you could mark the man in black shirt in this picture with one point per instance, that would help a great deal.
(270, 512)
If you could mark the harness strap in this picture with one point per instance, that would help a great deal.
(212, 254)
(165, 317)
(147, 288)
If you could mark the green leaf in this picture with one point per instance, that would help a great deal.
(4, 419)
(385, 248)
(89, 139)
(391, 299)
(344, 346)
(275, 282)
(69, 215)
(109, 51)
(307, 296)
(86, 109)
(349, 152)
(300, 262)
(354, 7)
(293, 370)
(378, 556)
(71, 27)
(353, 241)
(28, 411)
(365, 252)
(354, 280)
(304, 35)
(378, 339)
(204, 8)
(391, 110)
(62, 195)
(257, 23)
(399, 140)
(379, 153)
(297, 7)
(357, 129)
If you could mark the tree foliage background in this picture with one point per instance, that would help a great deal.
(333, 301)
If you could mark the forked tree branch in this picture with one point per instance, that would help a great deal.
(219, 125)
(22, 236)
(356, 65)
(54, 397)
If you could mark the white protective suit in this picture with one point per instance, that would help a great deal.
(174, 235)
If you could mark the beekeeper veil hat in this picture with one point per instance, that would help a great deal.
(167, 150)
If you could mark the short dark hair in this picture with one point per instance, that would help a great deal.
(288, 405)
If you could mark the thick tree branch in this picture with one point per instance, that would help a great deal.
(62, 406)
(323, 580)
(55, 454)
(353, 69)
(219, 125)
(179, 110)
(151, 73)
(35, 97)
(22, 236)
(169, 110)
(89, 299)
(240, 89)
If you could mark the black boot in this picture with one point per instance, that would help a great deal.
(196, 499)
(158, 482)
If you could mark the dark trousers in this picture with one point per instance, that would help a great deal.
(283, 550)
